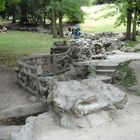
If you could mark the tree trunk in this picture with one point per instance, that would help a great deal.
(13, 14)
(24, 11)
(54, 26)
(44, 20)
(60, 24)
(129, 22)
(14, 19)
(134, 26)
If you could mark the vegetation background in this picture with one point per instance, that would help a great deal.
(93, 16)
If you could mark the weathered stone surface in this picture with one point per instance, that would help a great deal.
(23, 110)
(75, 99)
(89, 45)
(33, 71)
(126, 126)
(76, 104)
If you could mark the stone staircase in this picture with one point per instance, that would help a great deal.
(105, 79)
(105, 73)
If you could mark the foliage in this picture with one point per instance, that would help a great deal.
(35, 10)
(86, 2)
(2, 3)
(129, 10)
(72, 10)
(103, 1)
(122, 19)
(97, 19)
(132, 44)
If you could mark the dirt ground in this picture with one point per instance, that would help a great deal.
(126, 126)
(14, 100)
(11, 94)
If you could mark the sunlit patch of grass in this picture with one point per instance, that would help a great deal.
(101, 18)
(15, 44)
(133, 43)
(5, 21)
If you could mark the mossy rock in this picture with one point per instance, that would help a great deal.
(125, 75)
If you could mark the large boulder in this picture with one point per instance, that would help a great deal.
(73, 100)
(75, 104)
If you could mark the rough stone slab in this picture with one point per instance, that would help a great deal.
(15, 101)
(125, 127)
(105, 79)
(73, 99)
(105, 71)
(23, 110)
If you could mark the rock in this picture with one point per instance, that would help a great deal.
(23, 110)
(121, 36)
(26, 132)
(86, 103)
(72, 100)
(137, 48)
(138, 32)
(127, 49)
(134, 88)
(33, 99)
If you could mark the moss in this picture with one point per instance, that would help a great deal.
(128, 78)
(132, 44)
(138, 93)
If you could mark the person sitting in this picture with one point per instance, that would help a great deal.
(4, 29)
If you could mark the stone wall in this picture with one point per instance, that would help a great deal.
(37, 73)
(34, 72)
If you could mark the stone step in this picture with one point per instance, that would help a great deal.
(106, 72)
(22, 111)
(105, 67)
(105, 79)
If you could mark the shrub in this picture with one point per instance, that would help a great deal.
(103, 1)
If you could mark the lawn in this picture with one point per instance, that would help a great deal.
(133, 43)
(15, 44)
(101, 18)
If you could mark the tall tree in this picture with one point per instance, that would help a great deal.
(12, 5)
(129, 20)
(129, 13)
(136, 8)
(23, 11)
(60, 17)
(54, 18)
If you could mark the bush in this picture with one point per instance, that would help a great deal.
(86, 2)
(72, 10)
(103, 1)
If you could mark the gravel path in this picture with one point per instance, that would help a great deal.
(114, 59)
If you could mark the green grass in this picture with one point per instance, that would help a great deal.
(4, 21)
(133, 43)
(101, 18)
(128, 77)
(15, 44)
